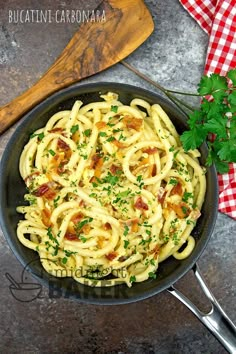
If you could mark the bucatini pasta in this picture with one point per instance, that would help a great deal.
(111, 192)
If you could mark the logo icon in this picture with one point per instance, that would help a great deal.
(23, 292)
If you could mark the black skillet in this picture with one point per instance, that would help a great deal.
(12, 190)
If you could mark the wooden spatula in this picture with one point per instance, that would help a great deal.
(94, 47)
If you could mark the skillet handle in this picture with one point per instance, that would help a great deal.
(216, 320)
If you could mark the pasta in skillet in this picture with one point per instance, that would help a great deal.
(111, 192)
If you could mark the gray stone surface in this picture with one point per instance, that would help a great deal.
(174, 56)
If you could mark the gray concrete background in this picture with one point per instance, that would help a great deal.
(174, 56)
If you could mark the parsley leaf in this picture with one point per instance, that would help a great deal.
(126, 230)
(126, 243)
(74, 129)
(51, 152)
(186, 196)
(232, 76)
(103, 134)
(87, 132)
(132, 278)
(173, 181)
(40, 136)
(114, 109)
(152, 275)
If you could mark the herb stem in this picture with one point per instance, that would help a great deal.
(184, 93)
(168, 93)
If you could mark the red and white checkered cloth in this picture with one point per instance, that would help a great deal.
(218, 19)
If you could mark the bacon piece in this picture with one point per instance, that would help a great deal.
(98, 169)
(39, 192)
(50, 194)
(96, 164)
(82, 203)
(154, 170)
(93, 180)
(161, 195)
(101, 240)
(107, 226)
(134, 226)
(75, 136)
(140, 204)
(132, 123)
(46, 190)
(118, 144)
(150, 151)
(61, 168)
(123, 258)
(77, 217)
(182, 209)
(62, 145)
(71, 237)
(95, 160)
(46, 214)
(100, 125)
(86, 229)
(155, 251)
(112, 255)
(56, 130)
(114, 169)
(177, 189)
(144, 161)
(58, 162)
(31, 176)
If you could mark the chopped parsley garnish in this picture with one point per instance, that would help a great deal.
(189, 222)
(64, 260)
(69, 253)
(126, 230)
(110, 179)
(152, 275)
(56, 248)
(124, 194)
(172, 148)
(110, 139)
(82, 238)
(114, 109)
(31, 199)
(184, 209)
(122, 137)
(103, 134)
(132, 278)
(55, 201)
(50, 235)
(92, 195)
(87, 132)
(117, 130)
(74, 129)
(152, 262)
(80, 224)
(173, 181)
(186, 196)
(40, 136)
(126, 243)
(139, 178)
(51, 152)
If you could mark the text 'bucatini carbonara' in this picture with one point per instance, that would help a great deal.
(111, 192)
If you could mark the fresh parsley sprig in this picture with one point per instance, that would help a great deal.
(215, 120)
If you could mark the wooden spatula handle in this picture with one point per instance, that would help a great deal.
(94, 47)
(12, 111)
